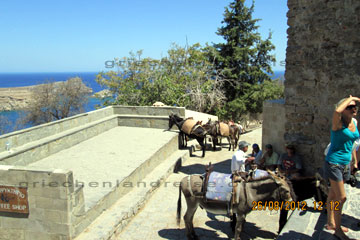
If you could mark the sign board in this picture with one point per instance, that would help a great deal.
(14, 199)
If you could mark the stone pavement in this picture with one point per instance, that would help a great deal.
(310, 224)
(157, 220)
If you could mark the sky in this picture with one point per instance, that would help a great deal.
(80, 36)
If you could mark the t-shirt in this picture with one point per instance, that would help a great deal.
(258, 156)
(341, 145)
(238, 161)
(289, 163)
(273, 160)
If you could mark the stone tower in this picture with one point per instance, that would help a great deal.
(322, 66)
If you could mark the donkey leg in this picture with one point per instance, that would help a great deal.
(229, 140)
(239, 226)
(203, 146)
(233, 222)
(283, 219)
(180, 140)
(192, 205)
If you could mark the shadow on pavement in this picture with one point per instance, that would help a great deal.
(294, 235)
(181, 234)
(251, 231)
(223, 167)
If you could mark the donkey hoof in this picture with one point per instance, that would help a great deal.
(192, 237)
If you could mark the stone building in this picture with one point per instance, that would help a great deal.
(322, 67)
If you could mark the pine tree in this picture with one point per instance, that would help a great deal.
(244, 59)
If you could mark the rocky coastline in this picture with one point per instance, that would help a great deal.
(17, 98)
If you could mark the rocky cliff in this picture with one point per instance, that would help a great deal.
(15, 98)
(18, 97)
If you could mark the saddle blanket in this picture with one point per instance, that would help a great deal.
(258, 173)
(219, 187)
(188, 126)
(224, 129)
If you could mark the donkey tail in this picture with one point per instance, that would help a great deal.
(178, 214)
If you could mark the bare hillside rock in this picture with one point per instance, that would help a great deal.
(18, 98)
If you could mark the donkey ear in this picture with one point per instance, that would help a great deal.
(274, 176)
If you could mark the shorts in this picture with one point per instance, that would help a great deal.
(336, 172)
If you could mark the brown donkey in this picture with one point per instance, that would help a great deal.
(220, 129)
(272, 188)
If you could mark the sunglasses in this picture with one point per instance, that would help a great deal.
(351, 107)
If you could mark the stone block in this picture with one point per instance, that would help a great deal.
(36, 214)
(53, 204)
(58, 192)
(31, 235)
(54, 216)
(55, 228)
(12, 177)
(6, 234)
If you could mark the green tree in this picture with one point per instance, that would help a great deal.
(245, 60)
(185, 77)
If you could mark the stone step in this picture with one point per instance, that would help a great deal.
(116, 217)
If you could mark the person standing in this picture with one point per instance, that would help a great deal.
(336, 166)
(239, 159)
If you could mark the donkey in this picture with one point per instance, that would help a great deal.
(271, 188)
(199, 133)
(213, 130)
(304, 188)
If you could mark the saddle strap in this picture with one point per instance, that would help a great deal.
(192, 194)
(189, 185)
(194, 128)
(217, 128)
(245, 192)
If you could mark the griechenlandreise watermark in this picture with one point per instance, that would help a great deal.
(153, 63)
(106, 184)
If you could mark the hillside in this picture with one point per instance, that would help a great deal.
(17, 98)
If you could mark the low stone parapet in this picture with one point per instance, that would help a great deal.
(48, 203)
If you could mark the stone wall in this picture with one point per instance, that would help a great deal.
(198, 116)
(152, 111)
(51, 208)
(322, 66)
(56, 207)
(24, 136)
(273, 128)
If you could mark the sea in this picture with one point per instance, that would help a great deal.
(28, 79)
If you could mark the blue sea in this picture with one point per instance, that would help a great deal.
(28, 79)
